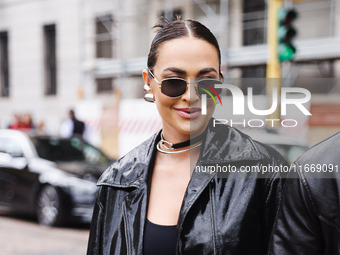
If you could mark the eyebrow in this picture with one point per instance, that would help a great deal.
(182, 72)
(207, 70)
(175, 70)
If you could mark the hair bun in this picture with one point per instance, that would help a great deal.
(165, 23)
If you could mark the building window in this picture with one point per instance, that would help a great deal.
(4, 67)
(254, 22)
(50, 60)
(258, 71)
(104, 85)
(104, 37)
(254, 76)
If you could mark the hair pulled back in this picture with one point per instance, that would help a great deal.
(169, 30)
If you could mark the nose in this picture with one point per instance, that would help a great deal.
(191, 93)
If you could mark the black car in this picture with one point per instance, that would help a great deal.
(49, 177)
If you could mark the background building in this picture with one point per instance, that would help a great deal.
(88, 55)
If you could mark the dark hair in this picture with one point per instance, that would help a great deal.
(71, 113)
(169, 30)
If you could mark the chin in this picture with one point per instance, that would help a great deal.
(198, 126)
(190, 127)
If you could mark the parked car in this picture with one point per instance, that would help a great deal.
(50, 177)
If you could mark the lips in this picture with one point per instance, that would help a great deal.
(189, 112)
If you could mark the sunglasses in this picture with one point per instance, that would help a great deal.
(176, 87)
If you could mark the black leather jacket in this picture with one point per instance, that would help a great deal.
(308, 221)
(218, 215)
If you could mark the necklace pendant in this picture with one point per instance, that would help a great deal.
(167, 144)
(171, 148)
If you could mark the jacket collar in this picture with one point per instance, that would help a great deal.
(221, 144)
(131, 170)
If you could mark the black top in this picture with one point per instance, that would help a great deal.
(78, 127)
(159, 239)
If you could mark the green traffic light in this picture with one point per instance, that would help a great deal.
(285, 34)
(286, 51)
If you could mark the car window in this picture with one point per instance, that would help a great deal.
(73, 149)
(11, 146)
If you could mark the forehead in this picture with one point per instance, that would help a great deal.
(187, 53)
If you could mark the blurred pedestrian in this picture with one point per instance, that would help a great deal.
(41, 129)
(22, 122)
(72, 126)
(27, 122)
(16, 122)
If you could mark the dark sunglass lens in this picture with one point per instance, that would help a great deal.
(208, 85)
(173, 87)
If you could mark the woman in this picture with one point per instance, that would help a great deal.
(148, 201)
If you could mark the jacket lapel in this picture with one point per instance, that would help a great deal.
(221, 145)
(195, 187)
(131, 173)
(134, 214)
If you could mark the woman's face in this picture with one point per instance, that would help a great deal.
(185, 58)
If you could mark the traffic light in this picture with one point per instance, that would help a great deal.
(286, 32)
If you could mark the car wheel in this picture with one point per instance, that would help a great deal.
(49, 206)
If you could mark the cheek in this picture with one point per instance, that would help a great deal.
(210, 107)
(154, 89)
(163, 102)
(157, 94)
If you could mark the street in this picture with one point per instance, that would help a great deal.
(26, 237)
